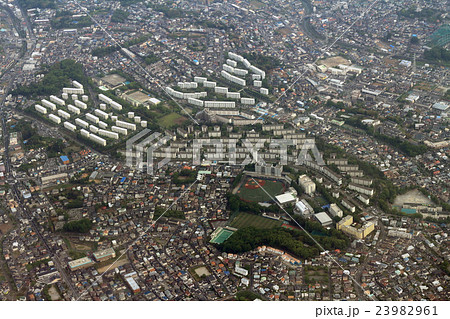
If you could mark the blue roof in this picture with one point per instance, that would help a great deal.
(64, 158)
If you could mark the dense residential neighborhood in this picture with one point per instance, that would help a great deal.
(224, 150)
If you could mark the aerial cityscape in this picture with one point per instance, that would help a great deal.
(224, 150)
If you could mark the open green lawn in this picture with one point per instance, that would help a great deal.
(245, 220)
(259, 195)
(171, 119)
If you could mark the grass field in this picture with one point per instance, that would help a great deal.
(246, 220)
(259, 195)
(171, 119)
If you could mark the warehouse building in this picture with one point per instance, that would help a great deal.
(323, 219)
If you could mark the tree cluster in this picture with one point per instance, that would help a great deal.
(78, 226)
(55, 78)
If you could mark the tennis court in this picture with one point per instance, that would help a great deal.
(221, 236)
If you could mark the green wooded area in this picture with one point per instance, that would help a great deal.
(55, 78)
(78, 226)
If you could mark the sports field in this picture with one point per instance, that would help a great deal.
(252, 191)
(222, 235)
(246, 220)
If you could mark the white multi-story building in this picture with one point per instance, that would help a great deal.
(109, 134)
(93, 128)
(80, 104)
(48, 104)
(119, 130)
(233, 95)
(126, 125)
(195, 102)
(334, 210)
(307, 184)
(84, 133)
(104, 98)
(199, 79)
(233, 78)
(232, 63)
(40, 109)
(70, 126)
(247, 101)
(101, 114)
(97, 139)
(221, 90)
(73, 90)
(209, 84)
(73, 109)
(57, 100)
(81, 123)
(187, 85)
(77, 84)
(224, 104)
(54, 118)
(64, 114)
(116, 105)
(92, 118)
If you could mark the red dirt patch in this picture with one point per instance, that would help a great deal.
(251, 184)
